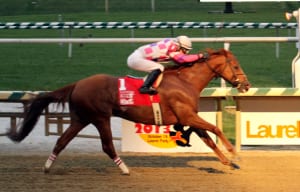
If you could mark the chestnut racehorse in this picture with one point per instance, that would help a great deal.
(94, 100)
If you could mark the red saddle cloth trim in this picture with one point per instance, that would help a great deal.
(129, 93)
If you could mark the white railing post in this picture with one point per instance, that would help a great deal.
(296, 60)
(106, 5)
(153, 5)
(226, 47)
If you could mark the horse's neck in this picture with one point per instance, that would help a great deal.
(199, 75)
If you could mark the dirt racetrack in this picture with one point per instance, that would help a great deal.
(272, 171)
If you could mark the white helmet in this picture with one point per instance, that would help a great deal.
(184, 41)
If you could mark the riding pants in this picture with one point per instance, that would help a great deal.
(138, 62)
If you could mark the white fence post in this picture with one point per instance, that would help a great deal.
(153, 5)
(296, 60)
(106, 6)
(226, 47)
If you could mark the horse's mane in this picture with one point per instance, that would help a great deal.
(211, 52)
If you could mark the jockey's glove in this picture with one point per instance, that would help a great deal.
(203, 56)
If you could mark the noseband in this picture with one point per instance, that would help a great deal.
(235, 81)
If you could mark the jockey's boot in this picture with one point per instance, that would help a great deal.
(146, 87)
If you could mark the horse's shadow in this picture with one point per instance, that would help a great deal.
(171, 161)
(211, 170)
(163, 160)
(138, 161)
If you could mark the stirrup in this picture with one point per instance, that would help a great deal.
(146, 90)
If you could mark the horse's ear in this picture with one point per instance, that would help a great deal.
(210, 51)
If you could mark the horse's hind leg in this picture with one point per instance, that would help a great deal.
(104, 129)
(210, 143)
(62, 142)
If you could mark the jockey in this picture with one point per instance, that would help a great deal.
(147, 58)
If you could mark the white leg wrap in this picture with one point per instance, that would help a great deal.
(49, 162)
(124, 168)
(118, 161)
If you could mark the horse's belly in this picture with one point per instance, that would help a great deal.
(145, 115)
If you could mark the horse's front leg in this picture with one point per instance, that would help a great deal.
(198, 122)
(193, 120)
(210, 143)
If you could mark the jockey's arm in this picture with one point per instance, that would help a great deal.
(182, 58)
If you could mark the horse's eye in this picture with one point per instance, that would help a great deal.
(236, 67)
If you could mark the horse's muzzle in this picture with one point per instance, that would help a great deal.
(242, 87)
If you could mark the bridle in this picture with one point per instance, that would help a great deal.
(235, 81)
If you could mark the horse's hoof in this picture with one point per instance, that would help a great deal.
(125, 173)
(234, 166)
(46, 170)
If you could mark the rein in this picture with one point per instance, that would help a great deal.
(235, 80)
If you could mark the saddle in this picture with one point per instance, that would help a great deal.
(129, 95)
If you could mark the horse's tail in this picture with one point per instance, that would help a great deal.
(34, 109)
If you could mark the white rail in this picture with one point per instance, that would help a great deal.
(146, 40)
